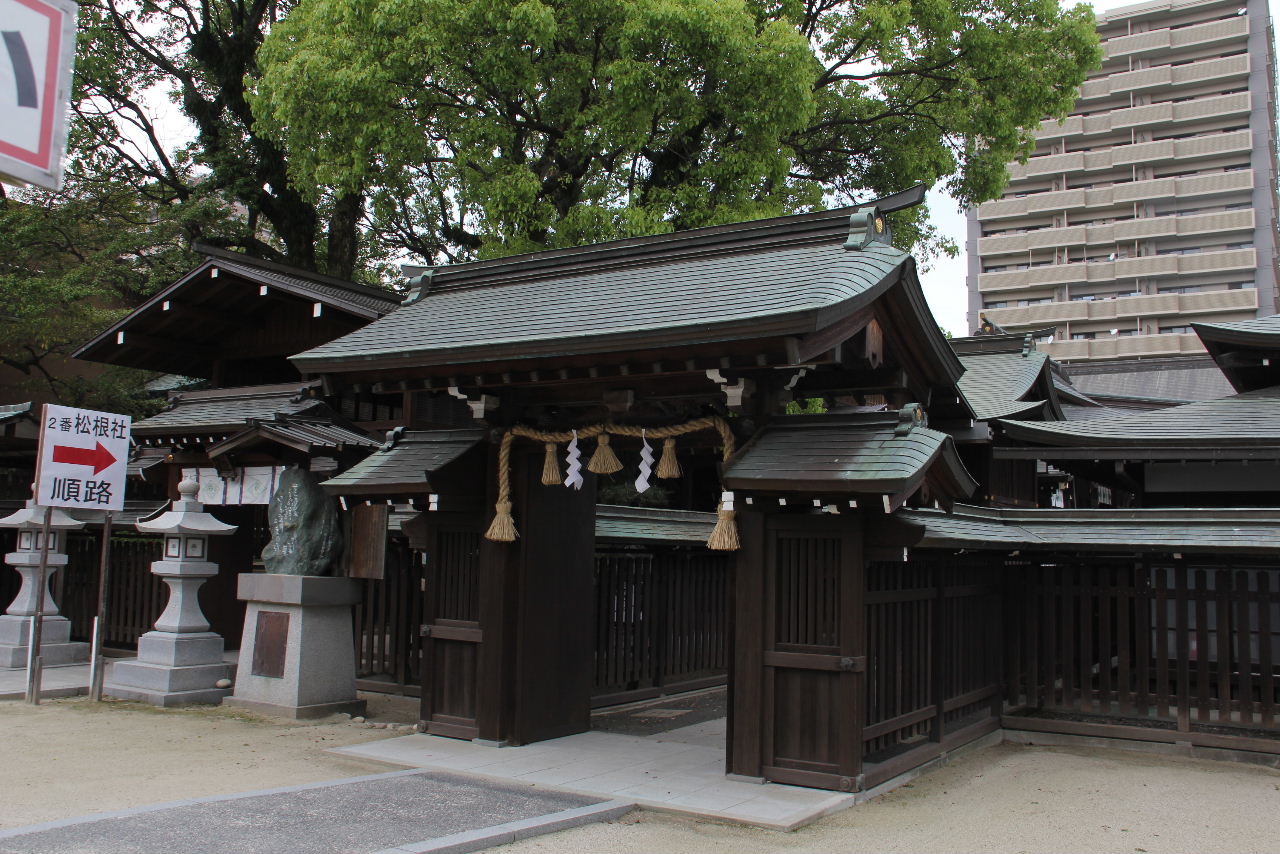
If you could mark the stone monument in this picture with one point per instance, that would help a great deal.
(15, 626)
(180, 662)
(297, 657)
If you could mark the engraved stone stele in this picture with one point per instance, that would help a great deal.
(180, 662)
(306, 536)
(15, 625)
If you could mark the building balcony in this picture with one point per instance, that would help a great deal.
(1109, 234)
(1190, 306)
(1128, 346)
(1164, 151)
(1165, 76)
(1150, 114)
(1160, 41)
(1084, 272)
(1133, 191)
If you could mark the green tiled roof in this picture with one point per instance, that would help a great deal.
(1252, 418)
(220, 410)
(997, 384)
(1172, 530)
(404, 464)
(679, 300)
(652, 524)
(867, 453)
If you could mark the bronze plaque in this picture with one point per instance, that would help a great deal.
(269, 643)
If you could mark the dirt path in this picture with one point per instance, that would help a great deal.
(67, 758)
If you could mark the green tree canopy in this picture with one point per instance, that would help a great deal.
(489, 127)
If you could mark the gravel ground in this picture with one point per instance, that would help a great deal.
(1003, 798)
(71, 757)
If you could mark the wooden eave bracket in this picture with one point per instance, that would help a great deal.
(481, 405)
(735, 393)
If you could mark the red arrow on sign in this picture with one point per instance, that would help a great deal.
(100, 458)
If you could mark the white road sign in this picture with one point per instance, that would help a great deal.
(37, 52)
(82, 458)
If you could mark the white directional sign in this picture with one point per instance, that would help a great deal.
(37, 51)
(82, 458)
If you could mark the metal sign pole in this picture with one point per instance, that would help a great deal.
(37, 621)
(97, 660)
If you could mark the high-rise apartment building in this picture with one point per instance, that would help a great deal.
(1154, 203)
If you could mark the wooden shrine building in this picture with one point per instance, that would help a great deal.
(755, 438)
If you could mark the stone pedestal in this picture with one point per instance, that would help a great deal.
(297, 656)
(56, 646)
(181, 661)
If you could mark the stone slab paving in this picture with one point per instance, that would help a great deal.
(67, 680)
(395, 813)
(681, 770)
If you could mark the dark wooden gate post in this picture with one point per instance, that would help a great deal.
(746, 615)
(555, 575)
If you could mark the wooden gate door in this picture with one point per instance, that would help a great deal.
(451, 627)
(814, 658)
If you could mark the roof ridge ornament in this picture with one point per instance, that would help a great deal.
(420, 286)
(867, 225)
(910, 417)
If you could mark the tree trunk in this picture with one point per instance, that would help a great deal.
(344, 242)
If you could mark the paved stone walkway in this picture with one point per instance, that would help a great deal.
(681, 771)
(404, 812)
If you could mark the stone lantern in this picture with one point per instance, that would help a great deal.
(15, 626)
(180, 662)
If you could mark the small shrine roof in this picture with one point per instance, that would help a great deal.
(234, 306)
(866, 453)
(628, 524)
(305, 433)
(225, 409)
(1247, 351)
(1002, 385)
(1200, 430)
(403, 464)
(1175, 530)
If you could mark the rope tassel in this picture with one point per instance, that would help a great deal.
(724, 537)
(604, 460)
(668, 466)
(503, 527)
(550, 466)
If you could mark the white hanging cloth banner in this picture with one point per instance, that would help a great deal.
(646, 464)
(574, 459)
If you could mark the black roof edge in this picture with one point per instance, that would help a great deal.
(214, 252)
(631, 250)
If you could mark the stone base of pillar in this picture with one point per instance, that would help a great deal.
(172, 669)
(297, 656)
(56, 646)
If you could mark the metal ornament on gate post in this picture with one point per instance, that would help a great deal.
(31, 630)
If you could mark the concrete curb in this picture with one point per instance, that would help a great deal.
(512, 831)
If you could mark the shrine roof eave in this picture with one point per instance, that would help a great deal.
(1195, 530)
(847, 455)
(1242, 421)
(1247, 351)
(362, 303)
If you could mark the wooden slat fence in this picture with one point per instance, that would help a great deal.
(387, 621)
(934, 638)
(661, 622)
(1148, 648)
(135, 597)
